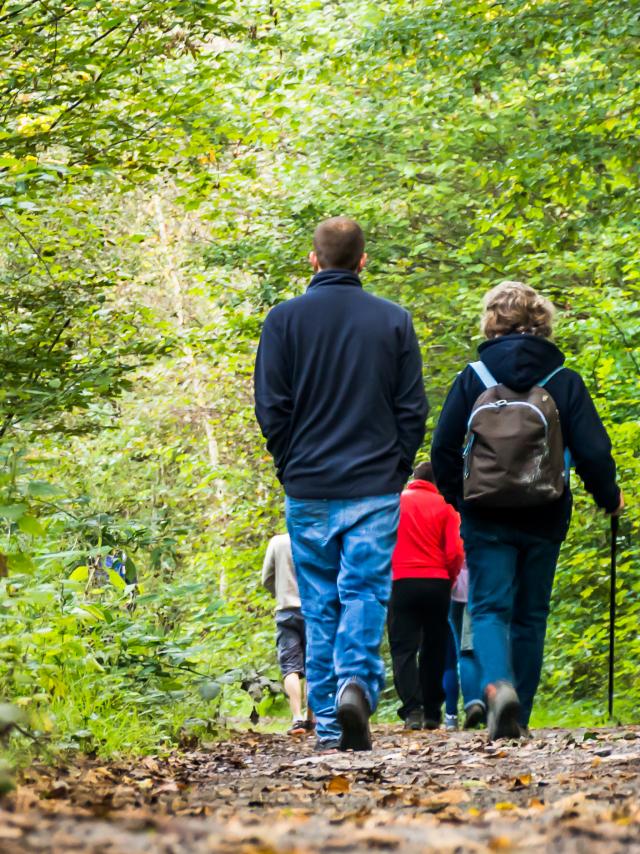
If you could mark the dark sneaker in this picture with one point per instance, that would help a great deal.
(297, 728)
(504, 711)
(327, 745)
(310, 726)
(430, 723)
(475, 715)
(413, 721)
(353, 717)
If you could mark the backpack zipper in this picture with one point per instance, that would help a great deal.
(501, 403)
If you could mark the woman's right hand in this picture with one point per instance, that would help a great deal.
(620, 507)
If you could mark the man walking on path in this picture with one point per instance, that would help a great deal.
(341, 402)
(279, 578)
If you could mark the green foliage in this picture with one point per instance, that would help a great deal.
(93, 86)
(89, 93)
(161, 168)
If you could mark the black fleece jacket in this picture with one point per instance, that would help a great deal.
(338, 391)
(519, 361)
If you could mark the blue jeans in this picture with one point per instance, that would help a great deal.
(467, 662)
(450, 681)
(510, 580)
(342, 552)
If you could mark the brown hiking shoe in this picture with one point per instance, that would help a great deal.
(503, 711)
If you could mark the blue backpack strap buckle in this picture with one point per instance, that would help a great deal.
(568, 463)
(485, 375)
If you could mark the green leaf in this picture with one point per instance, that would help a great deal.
(43, 489)
(80, 573)
(116, 580)
(31, 525)
(12, 512)
(209, 690)
(20, 562)
(92, 611)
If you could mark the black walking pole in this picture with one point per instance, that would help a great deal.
(612, 609)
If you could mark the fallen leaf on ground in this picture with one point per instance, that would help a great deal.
(500, 843)
(338, 785)
(520, 782)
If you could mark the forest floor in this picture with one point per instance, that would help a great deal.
(560, 791)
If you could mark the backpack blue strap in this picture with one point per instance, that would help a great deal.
(543, 382)
(568, 459)
(485, 375)
(568, 463)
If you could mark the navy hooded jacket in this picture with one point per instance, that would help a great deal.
(519, 361)
(338, 391)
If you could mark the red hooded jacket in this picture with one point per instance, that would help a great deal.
(429, 543)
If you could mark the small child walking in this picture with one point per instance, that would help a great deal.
(426, 563)
(279, 578)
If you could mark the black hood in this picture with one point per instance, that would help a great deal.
(520, 361)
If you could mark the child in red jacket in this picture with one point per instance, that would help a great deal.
(426, 563)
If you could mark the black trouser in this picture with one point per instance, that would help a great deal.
(418, 625)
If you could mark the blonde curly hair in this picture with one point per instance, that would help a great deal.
(515, 307)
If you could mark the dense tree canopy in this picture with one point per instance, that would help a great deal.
(162, 167)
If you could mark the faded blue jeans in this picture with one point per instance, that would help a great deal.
(510, 580)
(342, 552)
(467, 664)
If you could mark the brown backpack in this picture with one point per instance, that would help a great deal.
(514, 453)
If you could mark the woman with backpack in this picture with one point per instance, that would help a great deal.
(510, 427)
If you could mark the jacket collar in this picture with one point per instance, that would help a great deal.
(422, 484)
(335, 277)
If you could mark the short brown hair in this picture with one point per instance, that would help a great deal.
(515, 307)
(338, 243)
(424, 471)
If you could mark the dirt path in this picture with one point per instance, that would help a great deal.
(562, 791)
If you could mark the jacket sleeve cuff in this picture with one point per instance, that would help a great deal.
(611, 502)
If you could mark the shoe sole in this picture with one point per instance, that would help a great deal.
(506, 724)
(355, 731)
(474, 720)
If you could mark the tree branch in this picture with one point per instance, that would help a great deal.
(30, 243)
(74, 104)
(17, 12)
